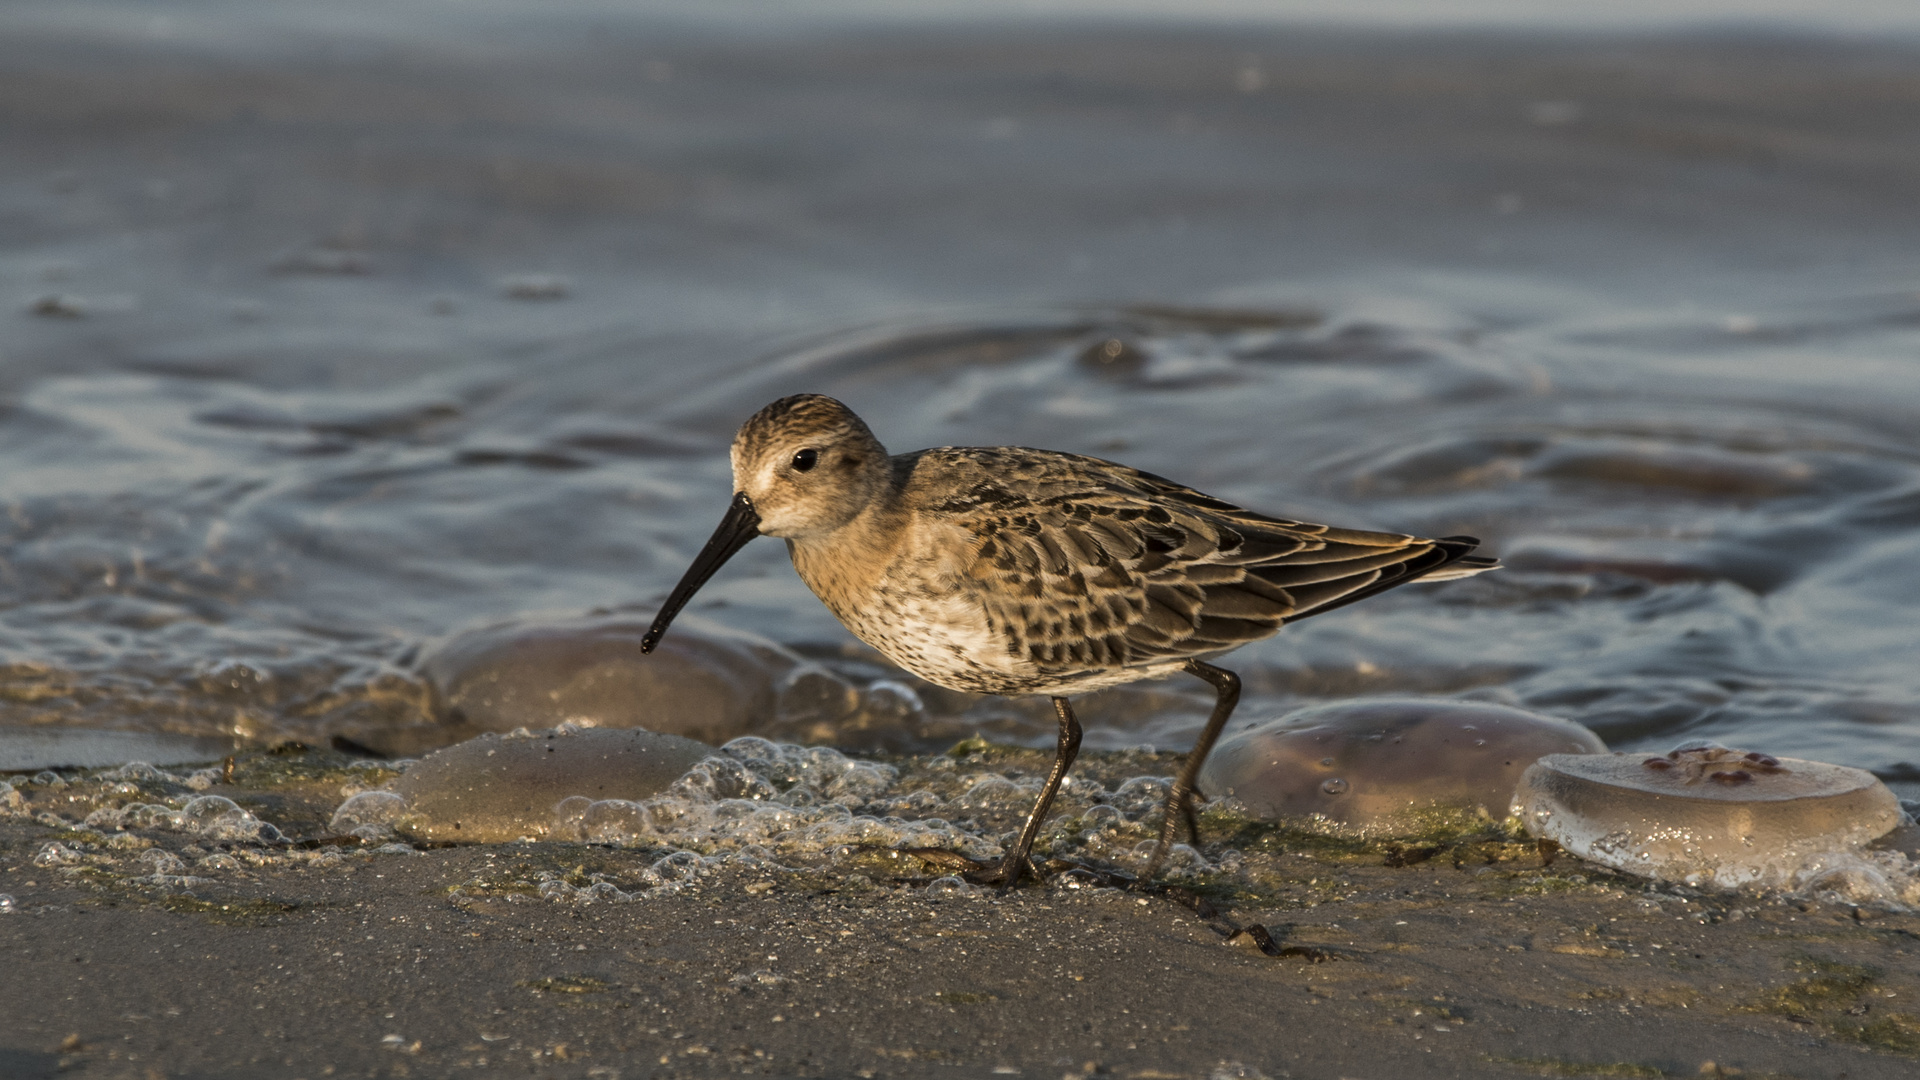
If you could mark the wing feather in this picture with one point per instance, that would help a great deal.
(1085, 564)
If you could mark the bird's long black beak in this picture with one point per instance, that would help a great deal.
(741, 524)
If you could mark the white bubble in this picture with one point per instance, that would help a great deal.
(368, 808)
(1141, 795)
(892, 702)
(1182, 859)
(220, 818)
(139, 772)
(55, 853)
(942, 888)
(997, 793)
(862, 781)
(721, 778)
(157, 861)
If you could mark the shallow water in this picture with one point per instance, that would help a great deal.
(324, 347)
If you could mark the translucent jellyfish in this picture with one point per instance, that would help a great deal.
(707, 683)
(1703, 470)
(1705, 814)
(1375, 766)
(33, 748)
(492, 789)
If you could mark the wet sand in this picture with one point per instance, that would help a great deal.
(1460, 957)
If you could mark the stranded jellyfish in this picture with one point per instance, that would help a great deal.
(1704, 814)
(711, 684)
(494, 789)
(1376, 766)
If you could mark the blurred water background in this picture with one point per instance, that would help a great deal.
(330, 331)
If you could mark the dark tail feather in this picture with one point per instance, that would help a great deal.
(1451, 557)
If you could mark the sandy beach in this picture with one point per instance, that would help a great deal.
(1462, 956)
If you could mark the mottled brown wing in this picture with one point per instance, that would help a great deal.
(1110, 566)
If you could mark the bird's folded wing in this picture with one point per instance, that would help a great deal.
(1132, 568)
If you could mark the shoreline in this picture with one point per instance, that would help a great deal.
(1471, 956)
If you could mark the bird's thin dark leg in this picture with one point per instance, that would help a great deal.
(1068, 748)
(1226, 686)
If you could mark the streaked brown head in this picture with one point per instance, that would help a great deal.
(803, 466)
(808, 465)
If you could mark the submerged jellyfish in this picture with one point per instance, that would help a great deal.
(713, 684)
(1377, 765)
(1705, 814)
(493, 789)
(30, 749)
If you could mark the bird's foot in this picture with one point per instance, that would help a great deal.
(1003, 875)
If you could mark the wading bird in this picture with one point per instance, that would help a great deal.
(1005, 570)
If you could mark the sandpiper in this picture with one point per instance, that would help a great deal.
(1005, 570)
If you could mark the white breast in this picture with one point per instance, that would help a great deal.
(943, 639)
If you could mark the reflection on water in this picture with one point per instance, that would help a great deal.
(1716, 541)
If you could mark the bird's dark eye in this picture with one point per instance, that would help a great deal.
(806, 459)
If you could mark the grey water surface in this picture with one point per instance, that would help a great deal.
(326, 337)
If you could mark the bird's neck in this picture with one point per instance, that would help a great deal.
(847, 564)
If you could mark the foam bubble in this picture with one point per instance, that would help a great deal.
(1379, 766)
(215, 817)
(368, 808)
(760, 799)
(54, 853)
(949, 887)
(1708, 815)
(158, 861)
(140, 772)
(1141, 795)
(202, 779)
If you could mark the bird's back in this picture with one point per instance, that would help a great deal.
(1010, 570)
